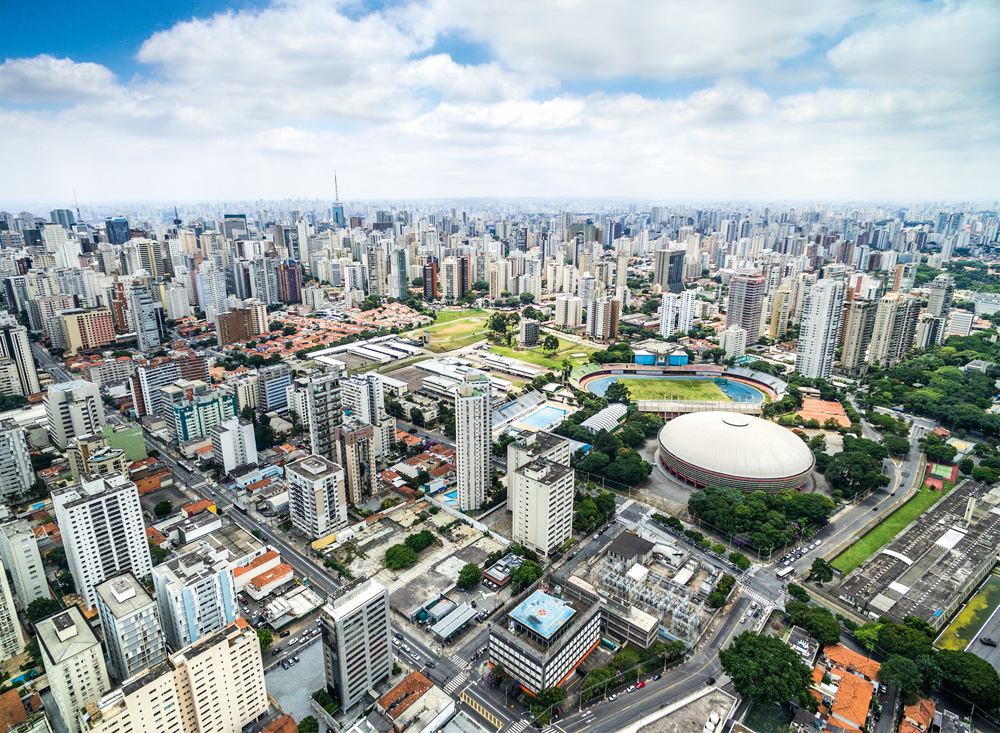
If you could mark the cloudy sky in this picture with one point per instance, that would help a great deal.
(667, 100)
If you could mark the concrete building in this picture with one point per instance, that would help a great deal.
(234, 326)
(73, 661)
(746, 299)
(91, 454)
(668, 270)
(781, 303)
(530, 332)
(473, 438)
(317, 399)
(363, 396)
(272, 382)
(131, 626)
(858, 328)
(73, 408)
(19, 550)
(11, 637)
(317, 496)
(147, 315)
(195, 594)
(87, 329)
(234, 443)
(960, 324)
(602, 318)
(356, 651)
(199, 410)
(103, 532)
(215, 685)
(894, 329)
(15, 347)
(540, 637)
(569, 311)
(16, 473)
(820, 329)
(354, 445)
(734, 341)
(676, 313)
(540, 490)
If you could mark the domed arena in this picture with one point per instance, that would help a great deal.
(727, 449)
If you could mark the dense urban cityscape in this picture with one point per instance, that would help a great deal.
(438, 367)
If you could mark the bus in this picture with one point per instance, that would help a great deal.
(784, 572)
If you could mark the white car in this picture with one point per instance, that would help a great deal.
(395, 642)
(293, 640)
(415, 657)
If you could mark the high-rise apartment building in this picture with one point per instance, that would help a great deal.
(11, 638)
(317, 399)
(234, 443)
(676, 313)
(734, 341)
(820, 329)
(903, 277)
(781, 303)
(195, 594)
(16, 473)
(317, 496)
(272, 382)
(894, 329)
(933, 326)
(860, 322)
(602, 318)
(430, 273)
(103, 532)
(73, 408)
(74, 663)
(87, 329)
(540, 491)
(668, 270)
(147, 315)
(356, 651)
(131, 627)
(354, 445)
(569, 311)
(215, 685)
(202, 409)
(746, 298)
(363, 397)
(91, 454)
(234, 326)
(473, 436)
(19, 550)
(15, 347)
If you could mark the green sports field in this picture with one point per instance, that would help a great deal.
(690, 390)
(454, 329)
(577, 353)
(872, 541)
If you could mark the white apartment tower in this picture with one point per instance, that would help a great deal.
(894, 329)
(317, 399)
(734, 341)
(363, 395)
(569, 311)
(73, 661)
(820, 330)
(473, 437)
(233, 443)
(195, 594)
(19, 550)
(103, 532)
(356, 632)
(11, 637)
(540, 491)
(131, 627)
(73, 408)
(16, 474)
(317, 496)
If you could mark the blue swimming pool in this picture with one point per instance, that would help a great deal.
(736, 391)
(543, 418)
(451, 498)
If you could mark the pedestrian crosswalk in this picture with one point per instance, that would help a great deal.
(517, 726)
(460, 661)
(755, 596)
(456, 682)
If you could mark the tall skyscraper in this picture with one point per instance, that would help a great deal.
(734, 341)
(234, 443)
(820, 329)
(860, 322)
(11, 638)
(73, 408)
(781, 302)
(19, 550)
(116, 230)
(317, 399)
(356, 651)
(195, 594)
(474, 438)
(289, 277)
(273, 382)
(317, 496)
(131, 627)
(354, 443)
(569, 311)
(746, 298)
(602, 318)
(147, 315)
(668, 270)
(14, 345)
(540, 491)
(668, 314)
(431, 281)
(16, 473)
(894, 329)
(363, 396)
(74, 663)
(933, 327)
(103, 532)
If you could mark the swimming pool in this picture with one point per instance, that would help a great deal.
(736, 391)
(543, 417)
(451, 498)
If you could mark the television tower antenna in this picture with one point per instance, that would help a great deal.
(336, 191)
(75, 201)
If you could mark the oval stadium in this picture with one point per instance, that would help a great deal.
(728, 449)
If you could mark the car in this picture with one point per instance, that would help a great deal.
(883, 689)
(988, 641)
(295, 659)
(242, 599)
(892, 493)
(656, 677)
(246, 609)
(395, 577)
(710, 681)
(397, 635)
(756, 614)
(753, 605)
(430, 664)
(395, 642)
(293, 640)
(285, 664)
(874, 508)
(817, 543)
(596, 536)
(406, 647)
(276, 651)
(743, 620)
(639, 685)
(613, 697)
(283, 634)
(630, 688)
(415, 657)
(255, 614)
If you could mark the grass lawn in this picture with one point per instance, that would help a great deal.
(880, 535)
(459, 329)
(675, 389)
(539, 358)
(445, 316)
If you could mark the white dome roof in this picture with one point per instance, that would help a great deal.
(738, 445)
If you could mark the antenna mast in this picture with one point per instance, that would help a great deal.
(75, 201)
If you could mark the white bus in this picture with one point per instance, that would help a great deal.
(784, 572)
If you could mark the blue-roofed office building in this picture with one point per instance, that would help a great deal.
(542, 635)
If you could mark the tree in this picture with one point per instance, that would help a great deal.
(821, 571)
(940, 452)
(798, 593)
(545, 700)
(265, 638)
(400, 556)
(819, 622)
(973, 678)
(41, 608)
(617, 392)
(525, 574)
(896, 445)
(154, 453)
(309, 724)
(550, 344)
(901, 672)
(904, 640)
(740, 560)
(416, 416)
(766, 670)
(966, 465)
(419, 541)
(527, 298)
(470, 576)
(163, 509)
(159, 554)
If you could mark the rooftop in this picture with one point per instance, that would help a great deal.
(123, 595)
(64, 635)
(403, 695)
(542, 613)
(313, 468)
(630, 545)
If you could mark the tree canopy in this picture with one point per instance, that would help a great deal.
(767, 670)
(469, 576)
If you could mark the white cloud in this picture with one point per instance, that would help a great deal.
(925, 44)
(45, 79)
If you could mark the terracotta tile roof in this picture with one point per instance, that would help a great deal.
(258, 485)
(269, 576)
(921, 713)
(851, 703)
(256, 563)
(154, 536)
(284, 724)
(11, 710)
(406, 693)
(197, 507)
(241, 623)
(441, 470)
(845, 659)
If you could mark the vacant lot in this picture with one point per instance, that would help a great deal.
(675, 389)
(872, 541)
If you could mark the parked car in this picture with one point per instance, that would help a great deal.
(639, 685)
(656, 677)
(613, 697)
(430, 664)
(988, 641)
(295, 659)
(276, 651)
(397, 635)
(283, 634)
(416, 657)
(630, 688)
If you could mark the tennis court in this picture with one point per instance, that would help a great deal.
(942, 471)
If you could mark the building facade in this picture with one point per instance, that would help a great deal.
(354, 445)
(317, 496)
(16, 473)
(234, 443)
(131, 627)
(195, 594)
(73, 408)
(473, 438)
(820, 329)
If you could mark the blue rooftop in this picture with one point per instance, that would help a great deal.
(543, 614)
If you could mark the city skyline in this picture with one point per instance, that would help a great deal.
(204, 101)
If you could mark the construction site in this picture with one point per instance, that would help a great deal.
(662, 582)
